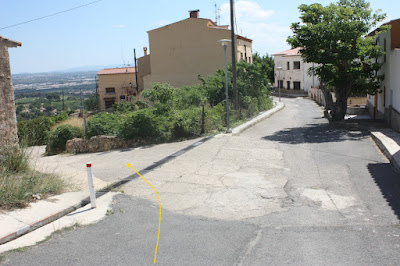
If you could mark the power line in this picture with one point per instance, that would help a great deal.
(51, 15)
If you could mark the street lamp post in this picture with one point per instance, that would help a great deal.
(224, 43)
(279, 81)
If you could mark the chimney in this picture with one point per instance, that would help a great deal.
(194, 13)
(145, 50)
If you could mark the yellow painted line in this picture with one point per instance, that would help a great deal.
(159, 202)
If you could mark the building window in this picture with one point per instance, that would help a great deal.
(122, 98)
(296, 65)
(250, 59)
(288, 65)
(280, 84)
(241, 56)
(109, 103)
(296, 85)
(288, 85)
(110, 90)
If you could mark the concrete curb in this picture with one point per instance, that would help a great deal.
(31, 227)
(239, 129)
(388, 147)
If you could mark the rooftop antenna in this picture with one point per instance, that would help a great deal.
(217, 14)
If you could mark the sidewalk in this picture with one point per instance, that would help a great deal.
(20, 222)
(388, 141)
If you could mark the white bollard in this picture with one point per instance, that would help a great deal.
(91, 186)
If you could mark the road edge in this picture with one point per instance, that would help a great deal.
(390, 150)
(239, 129)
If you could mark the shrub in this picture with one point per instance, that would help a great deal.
(58, 138)
(60, 117)
(187, 123)
(34, 132)
(141, 124)
(124, 107)
(104, 124)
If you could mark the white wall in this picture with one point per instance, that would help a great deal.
(394, 82)
(292, 74)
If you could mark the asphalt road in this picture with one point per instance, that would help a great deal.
(290, 190)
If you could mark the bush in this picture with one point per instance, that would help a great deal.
(60, 117)
(141, 124)
(34, 132)
(104, 124)
(187, 123)
(58, 138)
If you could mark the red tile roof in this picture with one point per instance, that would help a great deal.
(118, 70)
(294, 51)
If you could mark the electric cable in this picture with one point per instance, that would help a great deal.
(51, 15)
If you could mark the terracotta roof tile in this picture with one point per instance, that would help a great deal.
(294, 51)
(118, 70)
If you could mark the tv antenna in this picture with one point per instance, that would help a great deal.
(217, 14)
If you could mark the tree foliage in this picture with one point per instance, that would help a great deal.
(335, 37)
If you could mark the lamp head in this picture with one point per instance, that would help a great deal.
(224, 42)
(279, 68)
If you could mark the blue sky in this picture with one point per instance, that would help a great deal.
(106, 32)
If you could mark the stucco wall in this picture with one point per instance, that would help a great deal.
(118, 81)
(181, 51)
(8, 122)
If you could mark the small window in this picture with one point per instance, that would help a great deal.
(122, 97)
(110, 90)
(109, 103)
(288, 66)
(296, 65)
(241, 56)
(280, 84)
(296, 85)
(288, 85)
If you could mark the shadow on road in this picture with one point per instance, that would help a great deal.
(388, 182)
(315, 133)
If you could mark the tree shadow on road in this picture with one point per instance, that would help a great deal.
(388, 182)
(315, 133)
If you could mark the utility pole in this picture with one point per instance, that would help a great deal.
(136, 70)
(82, 111)
(63, 99)
(234, 74)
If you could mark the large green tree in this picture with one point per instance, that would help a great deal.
(336, 38)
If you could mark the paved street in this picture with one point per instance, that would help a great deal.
(290, 190)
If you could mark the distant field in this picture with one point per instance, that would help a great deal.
(25, 100)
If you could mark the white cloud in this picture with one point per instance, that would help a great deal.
(254, 22)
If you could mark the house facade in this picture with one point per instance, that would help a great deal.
(386, 103)
(181, 51)
(294, 72)
(8, 119)
(116, 85)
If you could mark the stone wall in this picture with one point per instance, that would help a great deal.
(97, 144)
(8, 121)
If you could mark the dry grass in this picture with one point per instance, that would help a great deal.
(73, 121)
(20, 185)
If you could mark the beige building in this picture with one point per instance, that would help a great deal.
(116, 85)
(8, 120)
(181, 51)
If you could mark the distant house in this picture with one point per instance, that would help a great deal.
(116, 85)
(181, 51)
(293, 75)
(8, 120)
(386, 103)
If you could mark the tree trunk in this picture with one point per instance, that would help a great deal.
(327, 96)
(340, 106)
